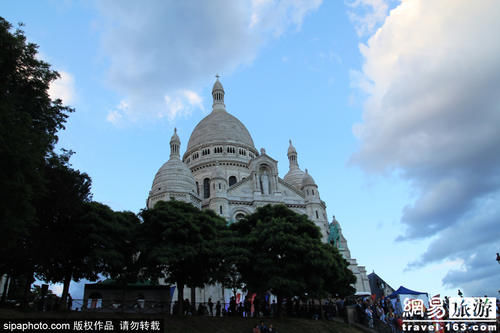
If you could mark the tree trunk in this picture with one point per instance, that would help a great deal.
(64, 296)
(193, 301)
(320, 309)
(180, 298)
(27, 289)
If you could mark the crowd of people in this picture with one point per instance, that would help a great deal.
(380, 312)
(257, 307)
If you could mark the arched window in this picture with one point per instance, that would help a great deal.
(220, 209)
(317, 216)
(206, 188)
(239, 216)
(312, 191)
(232, 180)
(197, 188)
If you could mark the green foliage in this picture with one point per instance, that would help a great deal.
(61, 239)
(120, 251)
(279, 240)
(288, 257)
(29, 120)
(179, 243)
(48, 226)
(232, 254)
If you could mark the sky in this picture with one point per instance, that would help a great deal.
(393, 107)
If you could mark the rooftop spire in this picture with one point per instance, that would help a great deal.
(175, 144)
(292, 156)
(218, 95)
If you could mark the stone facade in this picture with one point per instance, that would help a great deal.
(229, 176)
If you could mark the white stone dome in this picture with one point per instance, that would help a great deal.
(173, 176)
(219, 127)
(308, 179)
(294, 177)
(217, 85)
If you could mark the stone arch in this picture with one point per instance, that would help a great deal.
(236, 213)
(265, 178)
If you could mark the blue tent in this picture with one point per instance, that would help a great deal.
(405, 291)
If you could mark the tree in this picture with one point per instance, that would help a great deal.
(29, 121)
(338, 277)
(120, 250)
(288, 257)
(64, 240)
(179, 244)
(89, 240)
(231, 255)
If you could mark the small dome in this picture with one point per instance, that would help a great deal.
(294, 177)
(173, 176)
(175, 137)
(308, 180)
(217, 85)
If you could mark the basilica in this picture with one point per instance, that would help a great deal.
(222, 170)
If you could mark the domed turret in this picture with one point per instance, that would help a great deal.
(294, 175)
(218, 95)
(175, 144)
(173, 179)
(308, 180)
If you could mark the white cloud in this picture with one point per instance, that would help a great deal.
(367, 14)
(170, 46)
(193, 98)
(181, 102)
(116, 116)
(432, 76)
(276, 16)
(63, 88)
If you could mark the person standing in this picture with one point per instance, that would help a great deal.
(210, 306)
(217, 309)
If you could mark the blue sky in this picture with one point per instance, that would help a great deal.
(393, 107)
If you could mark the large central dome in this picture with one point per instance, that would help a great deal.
(219, 126)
